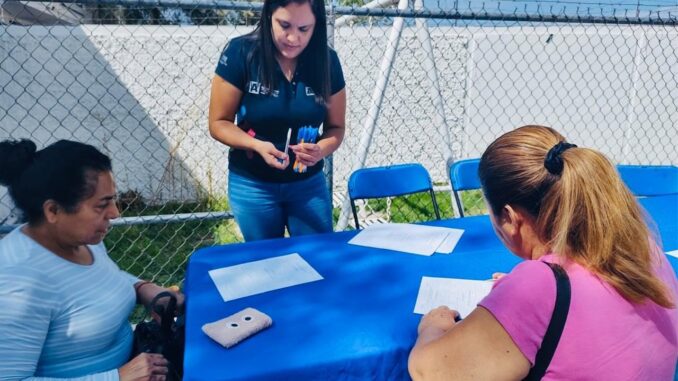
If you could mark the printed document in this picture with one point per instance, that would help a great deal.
(408, 238)
(673, 253)
(257, 277)
(461, 295)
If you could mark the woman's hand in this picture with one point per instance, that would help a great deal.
(144, 367)
(308, 154)
(181, 299)
(163, 302)
(147, 291)
(441, 319)
(497, 276)
(271, 155)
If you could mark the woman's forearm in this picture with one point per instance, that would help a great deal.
(231, 135)
(420, 361)
(146, 291)
(331, 140)
(428, 335)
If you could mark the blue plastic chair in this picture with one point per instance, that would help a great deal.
(650, 180)
(389, 181)
(463, 177)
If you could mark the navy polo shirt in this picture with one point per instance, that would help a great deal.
(267, 115)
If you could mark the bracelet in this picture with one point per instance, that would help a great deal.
(141, 284)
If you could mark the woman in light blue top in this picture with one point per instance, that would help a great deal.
(64, 303)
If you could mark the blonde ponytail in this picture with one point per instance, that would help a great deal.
(590, 216)
(584, 211)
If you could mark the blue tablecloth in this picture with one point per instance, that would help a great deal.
(357, 323)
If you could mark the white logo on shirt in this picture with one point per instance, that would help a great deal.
(309, 91)
(257, 88)
(253, 87)
(223, 60)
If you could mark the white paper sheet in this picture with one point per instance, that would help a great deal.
(408, 238)
(458, 294)
(673, 253)
(256, 277)
(450, 242)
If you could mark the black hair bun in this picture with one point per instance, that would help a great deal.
(15, 157)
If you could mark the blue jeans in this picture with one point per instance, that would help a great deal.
(263, 210)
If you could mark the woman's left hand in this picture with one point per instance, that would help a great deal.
(179, 295)
(147, 291)
(163, 301)
(441, 318)
(308, 154)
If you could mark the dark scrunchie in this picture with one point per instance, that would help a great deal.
(554, 160)
(15, 157)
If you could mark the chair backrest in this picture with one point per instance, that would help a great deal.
(389, 181)
(650, 180)
(464, 176)
(642, 180)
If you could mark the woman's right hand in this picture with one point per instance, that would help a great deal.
(441, 318)
(271, 155)
(144, 367)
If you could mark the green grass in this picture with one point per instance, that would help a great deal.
(159, 252)
(473, 203)
(418, 207)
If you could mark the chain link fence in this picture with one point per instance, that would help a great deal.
(427, 83)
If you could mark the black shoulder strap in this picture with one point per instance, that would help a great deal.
(556, 325)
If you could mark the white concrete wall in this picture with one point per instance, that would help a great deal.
(609, 88)
(141, 94)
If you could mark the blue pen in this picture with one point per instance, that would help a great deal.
(306, 134)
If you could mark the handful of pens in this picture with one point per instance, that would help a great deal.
(307, 134)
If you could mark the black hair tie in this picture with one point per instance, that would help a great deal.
(554, 160)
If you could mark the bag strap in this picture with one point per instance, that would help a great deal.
(166, 313)
(556, 325)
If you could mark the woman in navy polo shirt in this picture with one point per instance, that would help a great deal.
(280, 76)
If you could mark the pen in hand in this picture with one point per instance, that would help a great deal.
(287, 143)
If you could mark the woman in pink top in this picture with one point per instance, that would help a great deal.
(551, 201)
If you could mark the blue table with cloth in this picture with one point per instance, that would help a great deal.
(355, 324)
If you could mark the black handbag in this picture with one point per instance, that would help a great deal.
(166, 337)
(555, 327)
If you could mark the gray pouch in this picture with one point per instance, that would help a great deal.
(237, 327)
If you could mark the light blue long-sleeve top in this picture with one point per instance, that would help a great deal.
(60, 320)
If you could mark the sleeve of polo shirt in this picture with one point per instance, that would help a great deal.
(101, 249)
(231, 66)
(337, 82)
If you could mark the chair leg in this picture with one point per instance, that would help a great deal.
(460, 207)
(355, 215)
(435, 203)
